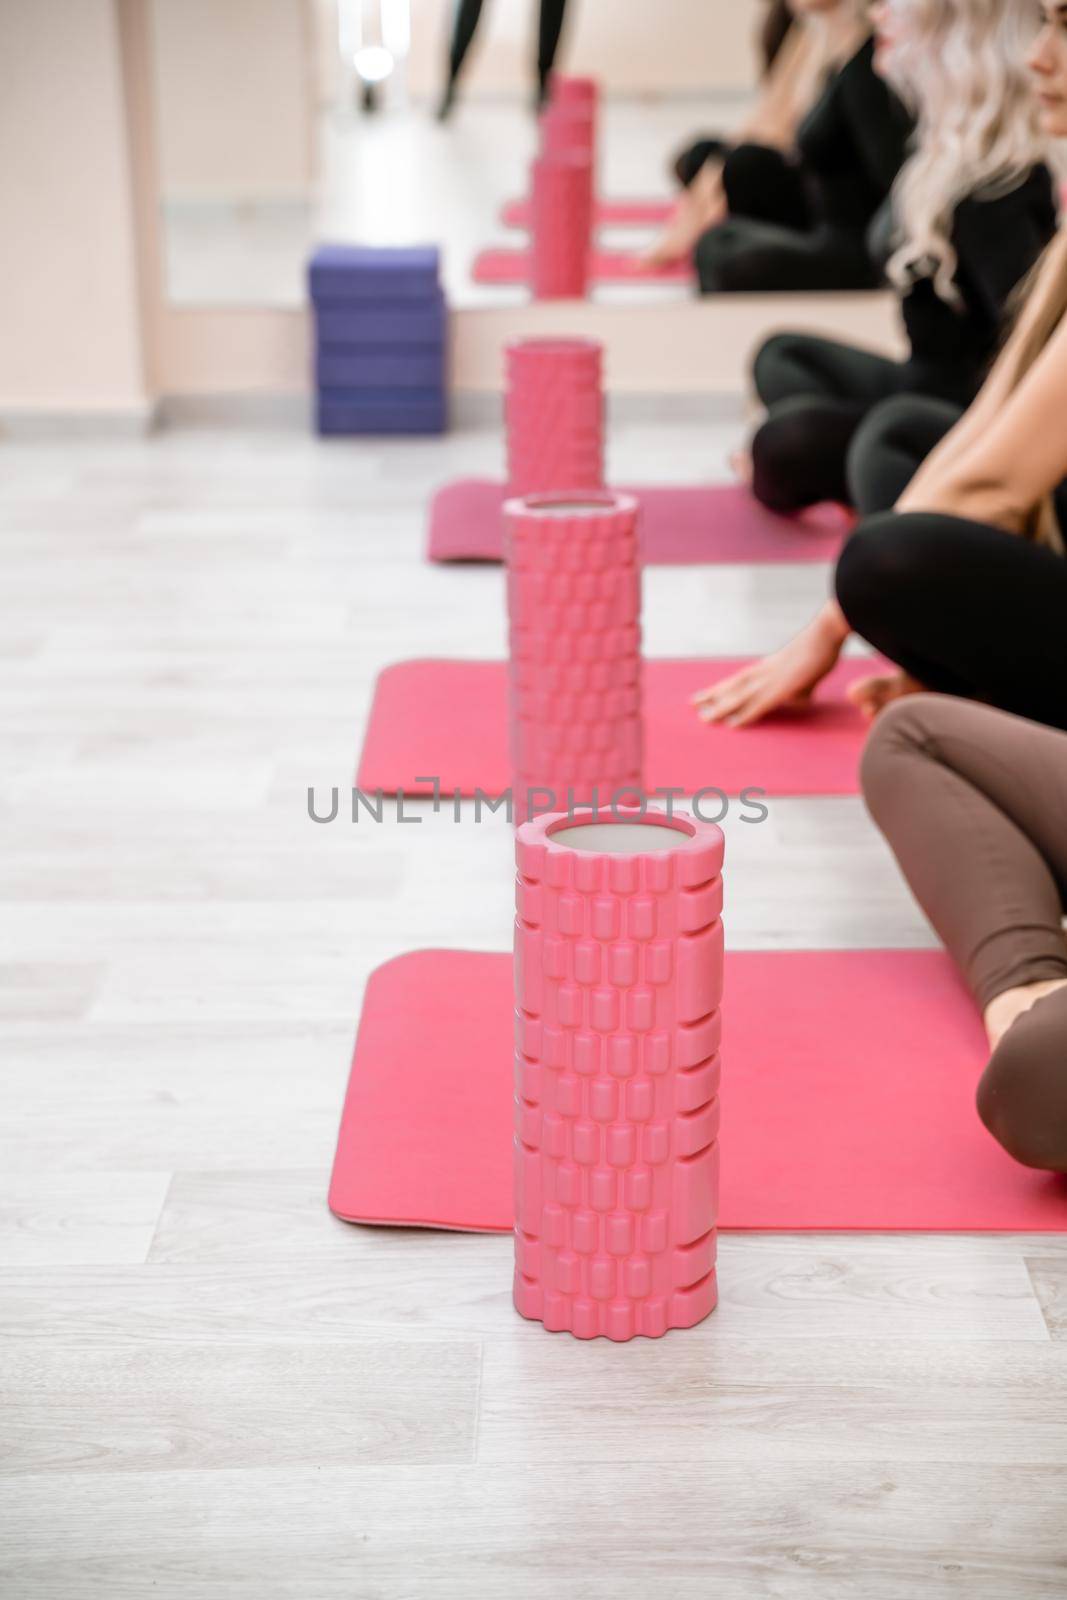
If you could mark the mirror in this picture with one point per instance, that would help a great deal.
(286, 122)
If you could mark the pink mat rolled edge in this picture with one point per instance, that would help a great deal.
(507, 267)
(847, 1104)
(679, 524)
(448, 719)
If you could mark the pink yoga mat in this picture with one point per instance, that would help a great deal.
(848, 1086)
(448, 719)
(607, 266)
(606, 213)
(695, 523)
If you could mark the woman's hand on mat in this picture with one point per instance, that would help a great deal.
(784, 679)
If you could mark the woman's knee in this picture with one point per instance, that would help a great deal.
(890, 446)
(882, 561)
(880, 461)
(688, 162)
(748, 166)
(721, 259)
(782, 451)
(1022, 1095)
(903, 733)
(777, 371)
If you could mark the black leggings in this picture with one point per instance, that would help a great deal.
(770, 240)
(818, 393)
(709, 147)
(890, 445)
(760, 183)
(468, 16)
(963, 607)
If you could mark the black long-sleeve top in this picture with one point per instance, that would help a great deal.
(852, 144)
(997, 240)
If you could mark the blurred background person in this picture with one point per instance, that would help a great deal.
(465, 26)
(971, 211)
(796, 53)
(799, 220)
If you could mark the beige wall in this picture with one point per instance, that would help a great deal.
(70, 335)
(631, 46)
(234, 98)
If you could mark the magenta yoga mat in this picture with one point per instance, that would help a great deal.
(606, 213)
(847, 1093)
(504, 267)
(679, 525)
(448, 719)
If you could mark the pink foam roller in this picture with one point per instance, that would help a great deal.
(574, 630)
(554, 415)
(568, 91)
(562, 216)
(618, 983)
(568, 128)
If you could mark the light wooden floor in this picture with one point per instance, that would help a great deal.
(212, 1389)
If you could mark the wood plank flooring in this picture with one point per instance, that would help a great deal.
(209, 1387)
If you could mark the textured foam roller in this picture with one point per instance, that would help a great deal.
(679, 524)
(568, 128)
(562, 199)
(449, 719)
(553, 417)
(342, 273)
(380, 411)
(510, 267)
(574, 635)
(568, 90)
(618, 983)
(606, 213)
(411, 367)
(848, 1099)
(386, 323)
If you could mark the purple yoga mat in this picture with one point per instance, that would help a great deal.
(698, 523)
(412, 367)
(384, 322)
(341, 411)
(338, 273)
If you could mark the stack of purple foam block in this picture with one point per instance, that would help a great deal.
(380, 339)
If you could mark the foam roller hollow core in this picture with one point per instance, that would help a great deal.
(574, 637)
(554, 414)
(618, 985)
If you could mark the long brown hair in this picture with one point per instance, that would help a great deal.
(773, 29)
(1040, 307)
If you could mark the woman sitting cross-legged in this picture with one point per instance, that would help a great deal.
(974, 805)
(798, 220)
(798, 52)
(970, 213)
(964, 585)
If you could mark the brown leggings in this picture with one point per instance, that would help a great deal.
(973, 802)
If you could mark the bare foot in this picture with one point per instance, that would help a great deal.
(873, 694)
(1008, 1007)
(741, 465)
(675, 242)
(663, 254)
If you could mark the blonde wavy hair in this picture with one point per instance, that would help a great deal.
(959, 65)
